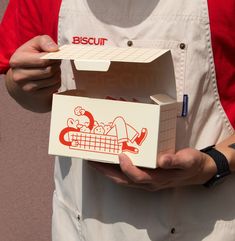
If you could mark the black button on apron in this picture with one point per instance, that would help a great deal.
(182, 45)
(129, 43)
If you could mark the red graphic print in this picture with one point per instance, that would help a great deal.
(84, 133)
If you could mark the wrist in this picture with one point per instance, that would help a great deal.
(209, 167)
(221, 165)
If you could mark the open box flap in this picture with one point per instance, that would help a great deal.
(162, 99)
(98, 58)
(119, 71)
(89, 65)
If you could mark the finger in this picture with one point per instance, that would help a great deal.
(49, 82)
(34, 86)
(23, 75)
(49, 91)
(29, 60)
(134, 173)
(112, 171)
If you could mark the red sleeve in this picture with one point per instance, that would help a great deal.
(222, 23)
(23, 20)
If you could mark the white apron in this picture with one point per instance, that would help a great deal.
(87, 206)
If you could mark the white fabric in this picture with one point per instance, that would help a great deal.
(109, 212)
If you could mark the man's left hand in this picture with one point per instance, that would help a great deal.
(186, 167)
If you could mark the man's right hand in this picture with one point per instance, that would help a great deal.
(31, 81)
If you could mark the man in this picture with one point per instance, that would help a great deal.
(87, 205)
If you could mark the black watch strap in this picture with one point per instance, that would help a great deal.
(221, 164)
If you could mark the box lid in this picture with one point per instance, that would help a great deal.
(99, 58)
(133, 64)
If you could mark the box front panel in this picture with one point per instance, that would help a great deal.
(100, 129)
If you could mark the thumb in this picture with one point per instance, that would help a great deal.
(47, 44)
(42, 43)
(169, 161)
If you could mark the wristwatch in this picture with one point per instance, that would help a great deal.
(221, 164)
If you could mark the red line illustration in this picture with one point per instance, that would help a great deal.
(84, 133)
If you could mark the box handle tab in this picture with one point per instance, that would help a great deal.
(92, 65)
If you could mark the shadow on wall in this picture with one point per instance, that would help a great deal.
(2, 7)
(26, 170)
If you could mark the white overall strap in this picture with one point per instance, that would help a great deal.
(108, 212)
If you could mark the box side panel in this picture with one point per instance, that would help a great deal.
(167, 128)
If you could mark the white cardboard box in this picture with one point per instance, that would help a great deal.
(108, 122)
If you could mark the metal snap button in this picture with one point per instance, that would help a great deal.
(182, 45)
(129, 43)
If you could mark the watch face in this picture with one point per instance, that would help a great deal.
(224, 174)
(217, 179)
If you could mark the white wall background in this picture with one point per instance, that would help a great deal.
(26, 171)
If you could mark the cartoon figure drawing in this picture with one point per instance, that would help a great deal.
(84, 133)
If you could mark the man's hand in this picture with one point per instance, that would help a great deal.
(186, 167)
(31, 81)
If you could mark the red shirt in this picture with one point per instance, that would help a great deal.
(24, 20)
(16, 29)
(222, 23)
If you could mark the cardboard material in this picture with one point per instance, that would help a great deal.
(137, 119)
